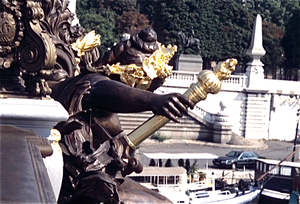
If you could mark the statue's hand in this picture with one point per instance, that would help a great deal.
(171, 105)
(126, 162)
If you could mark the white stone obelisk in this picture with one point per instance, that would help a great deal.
(255, 71)
(72, 7)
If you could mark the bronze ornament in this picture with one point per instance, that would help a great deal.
(11, 31)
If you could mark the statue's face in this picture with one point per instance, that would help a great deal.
(64, 33)
(76, 32)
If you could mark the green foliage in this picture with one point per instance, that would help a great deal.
(291, 44)
(159, 137)
(193, 168)
(91, 17)
(202, 175)
(223, 27)
(274, 58)
(118, 6)
(110, 19)
(132, 22)
(277, 15)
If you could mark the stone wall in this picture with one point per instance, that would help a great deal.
(267, 112)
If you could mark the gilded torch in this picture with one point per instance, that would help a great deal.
(208, 82)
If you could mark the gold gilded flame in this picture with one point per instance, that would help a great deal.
(156, 65)
(87, 43)
(224, 69)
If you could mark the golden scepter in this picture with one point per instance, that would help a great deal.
(208, 82)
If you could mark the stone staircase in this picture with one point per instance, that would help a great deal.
(257, 110)
(188, 128)
(238, 140)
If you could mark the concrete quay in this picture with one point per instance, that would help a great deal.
(253, 144)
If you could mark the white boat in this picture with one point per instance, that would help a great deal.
(210, 196)
(282, 179)
(170, 182)
(226, 197)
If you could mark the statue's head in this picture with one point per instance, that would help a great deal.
(148, 35)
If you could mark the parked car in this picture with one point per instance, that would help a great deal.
(235, 159)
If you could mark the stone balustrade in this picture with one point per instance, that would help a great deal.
(203, 114)
(186, 78)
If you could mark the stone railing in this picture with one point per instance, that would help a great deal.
(185, 76)
(203, 114)
(237, 80)
(184, 79)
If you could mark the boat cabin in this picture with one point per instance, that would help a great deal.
(171, 182)
(280, 182)
(167, 177)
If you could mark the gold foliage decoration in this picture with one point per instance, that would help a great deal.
(141, 76)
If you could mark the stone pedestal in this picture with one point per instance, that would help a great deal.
(23, 177)
(191, 63)
(222, 128)
(222, 133)
(37, 114)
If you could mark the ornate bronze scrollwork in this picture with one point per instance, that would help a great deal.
(38, 51)
(11, 32)
(25, 48)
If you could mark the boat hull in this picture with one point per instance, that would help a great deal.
(250, 197)
(269, 196)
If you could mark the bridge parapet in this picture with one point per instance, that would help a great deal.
(202, 115)
(185, 78)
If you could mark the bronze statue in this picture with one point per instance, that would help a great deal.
(92, 141)
(189, 41)
(94, 130)
(131, 51)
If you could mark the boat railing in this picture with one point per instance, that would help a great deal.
(174, 187)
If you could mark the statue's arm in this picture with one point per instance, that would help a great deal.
(111, 56)
(117, 97)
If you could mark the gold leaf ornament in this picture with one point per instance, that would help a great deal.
(153, 67)
(87, 43)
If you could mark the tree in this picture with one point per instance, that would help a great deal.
(291, 44)
(92, 17)
(132, 22)
(118, 6)
(234, 35)
(110, 19)
(275, 11)
(274, 58)
(223, 27)
(276, 15)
